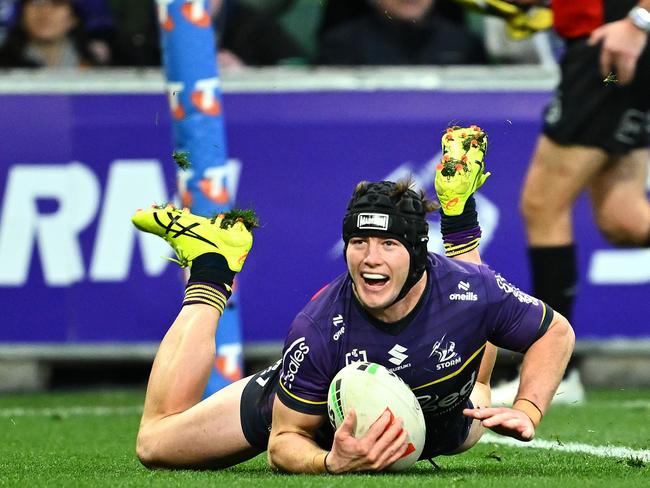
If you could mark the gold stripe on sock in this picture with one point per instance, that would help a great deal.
(205, 294)
(210, 298)
(461, 249)
(453, 247)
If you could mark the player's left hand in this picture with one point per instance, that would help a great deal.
(505, 421)
(622, 44)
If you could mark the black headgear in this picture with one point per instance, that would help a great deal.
(383, 209)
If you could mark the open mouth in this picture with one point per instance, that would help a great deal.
(374, 279)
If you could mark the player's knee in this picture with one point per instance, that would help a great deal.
(533, 208)
(623, 231)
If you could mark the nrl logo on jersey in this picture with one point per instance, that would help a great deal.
(445, 354)
(374, 221)
(356, 355)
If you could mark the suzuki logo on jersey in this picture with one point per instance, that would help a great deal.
(374, 221)
(292, 359)
(445, 354)
(397, 353)
(355, 356)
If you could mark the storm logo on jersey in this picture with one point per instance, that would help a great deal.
(445, 354)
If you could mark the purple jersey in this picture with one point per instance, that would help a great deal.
(436, 349)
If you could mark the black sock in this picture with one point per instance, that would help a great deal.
(555, 276)
(210, 282)
(213, 268)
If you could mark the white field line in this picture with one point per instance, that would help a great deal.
(574, 447)
(75, 411)
(625, 404)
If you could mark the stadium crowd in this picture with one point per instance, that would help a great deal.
(121, 33)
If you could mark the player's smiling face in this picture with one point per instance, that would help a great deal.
(379, 267)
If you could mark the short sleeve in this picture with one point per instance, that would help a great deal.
(306, 368)
(515, 320)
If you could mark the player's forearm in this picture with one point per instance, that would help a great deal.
(296, 453)
(544, 365)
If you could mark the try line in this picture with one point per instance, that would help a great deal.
(574, 447)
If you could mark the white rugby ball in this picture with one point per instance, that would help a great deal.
(370, 389)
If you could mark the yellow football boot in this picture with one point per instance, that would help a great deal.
(462, 170)
(192, 236)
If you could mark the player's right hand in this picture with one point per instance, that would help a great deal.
(505, 421)
(383, 444)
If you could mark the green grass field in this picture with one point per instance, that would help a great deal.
(87, 439)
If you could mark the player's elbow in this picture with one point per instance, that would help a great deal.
(147, 450)
(562, 333)
(272, 453)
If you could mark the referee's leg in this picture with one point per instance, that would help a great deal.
(620, 201)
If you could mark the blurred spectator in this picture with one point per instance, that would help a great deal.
(399, 32)
(51, 33)
(6, 16)
(136, 42)
(250, 37)
(246, 36)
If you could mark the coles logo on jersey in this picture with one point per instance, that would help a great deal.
(292, 359)
(445, 354)
(516, 292)
(467, 295)
(372, 221)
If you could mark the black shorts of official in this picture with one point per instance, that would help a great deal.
(446, 437)
(586, 110)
